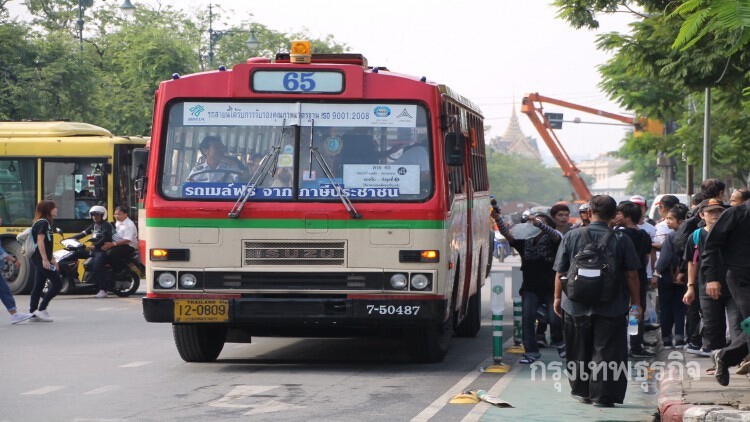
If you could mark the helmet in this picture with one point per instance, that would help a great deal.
(98, 209)
(584, 208)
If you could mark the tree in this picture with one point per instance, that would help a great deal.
(111, 82)
(648, 75)
(517, 178)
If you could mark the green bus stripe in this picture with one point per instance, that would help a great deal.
(231, 223)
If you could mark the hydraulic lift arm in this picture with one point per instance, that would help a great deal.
(542, 125)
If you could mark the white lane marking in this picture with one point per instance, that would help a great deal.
(101, 390)
(272, 406)
(134, 364)
(44, 390)
(442, 401)
(482, 407)
(240, 392)
(109, 308)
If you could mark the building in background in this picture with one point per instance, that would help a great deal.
(515, 142)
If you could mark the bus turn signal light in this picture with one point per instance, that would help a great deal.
(159, 254)
(430, 256)
(300, 52)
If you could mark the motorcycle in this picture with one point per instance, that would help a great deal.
(123, 283)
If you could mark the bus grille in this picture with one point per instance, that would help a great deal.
(294, 253)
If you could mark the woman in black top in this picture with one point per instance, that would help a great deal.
(43, 262)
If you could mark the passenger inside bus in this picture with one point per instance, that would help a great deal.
(215, 165)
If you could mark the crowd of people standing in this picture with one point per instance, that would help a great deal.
(695, 257)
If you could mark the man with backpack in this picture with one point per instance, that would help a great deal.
(595, 303)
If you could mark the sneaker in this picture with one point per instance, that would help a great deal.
(667, 344)
(562, 352)
(651, 327)
(744, 368)
(42, 316)
(102, 294)
(641, 353)
(541, 342)
(679, 344)
(722, 372)
(700, 351)
(19, 317)
(649, 343)
(557, 344)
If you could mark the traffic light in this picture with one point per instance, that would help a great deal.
(555, 120)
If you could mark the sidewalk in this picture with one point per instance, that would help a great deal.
(687, 393)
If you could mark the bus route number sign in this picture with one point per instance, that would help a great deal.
(296, 82)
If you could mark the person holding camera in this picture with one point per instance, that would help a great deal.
(537, 288)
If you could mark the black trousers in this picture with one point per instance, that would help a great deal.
(600, 341)
(636, 341)
(693, 320)
(116, 256)
(738, 280)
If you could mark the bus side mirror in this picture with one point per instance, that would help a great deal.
(455, 149)
(140, 161)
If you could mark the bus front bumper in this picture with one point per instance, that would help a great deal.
(296, 312)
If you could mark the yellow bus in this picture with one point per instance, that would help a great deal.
(77, 165)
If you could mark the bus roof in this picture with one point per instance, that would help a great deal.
(50, 129)
(446, 90)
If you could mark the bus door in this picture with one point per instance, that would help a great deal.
(468, 231)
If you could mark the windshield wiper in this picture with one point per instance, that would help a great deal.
(268, 165)
(329, 174)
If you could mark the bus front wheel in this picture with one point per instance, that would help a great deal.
(199, 343)
(20, 279)
(429, 344)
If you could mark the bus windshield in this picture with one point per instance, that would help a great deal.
(375, 152)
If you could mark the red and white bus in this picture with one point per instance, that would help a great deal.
(313, 195)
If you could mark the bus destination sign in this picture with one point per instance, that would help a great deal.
(295, 82)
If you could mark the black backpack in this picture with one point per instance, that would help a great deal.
(686, 229)
(591, 278)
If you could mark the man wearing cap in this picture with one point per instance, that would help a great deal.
(714, 298)
(728, 247)
(666, 203)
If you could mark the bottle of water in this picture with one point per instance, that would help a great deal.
(633, 321)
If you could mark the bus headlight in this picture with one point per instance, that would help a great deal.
(399, 281)
(188, 281)
(419, 282)
(166, 280)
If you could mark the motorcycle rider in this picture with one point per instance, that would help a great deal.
(124, 239)
(101, 231)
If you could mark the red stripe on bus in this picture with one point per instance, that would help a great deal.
(191, 296)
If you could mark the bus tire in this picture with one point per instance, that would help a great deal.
(199, 343)
(21, 279)
(429, 344)
(471, 323)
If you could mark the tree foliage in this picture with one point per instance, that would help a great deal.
(661, 69)
(110, 77)
(517, 178)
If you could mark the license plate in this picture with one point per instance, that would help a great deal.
(201, 310)
(392, 310)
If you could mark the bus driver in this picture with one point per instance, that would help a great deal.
(215, 166)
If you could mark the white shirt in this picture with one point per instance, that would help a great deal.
(651, 230)
(416, 154)
(661, 232)
(126, 230)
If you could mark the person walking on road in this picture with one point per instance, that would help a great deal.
(596, 334)
(43, 262)
(727, 249)
(5, 296)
